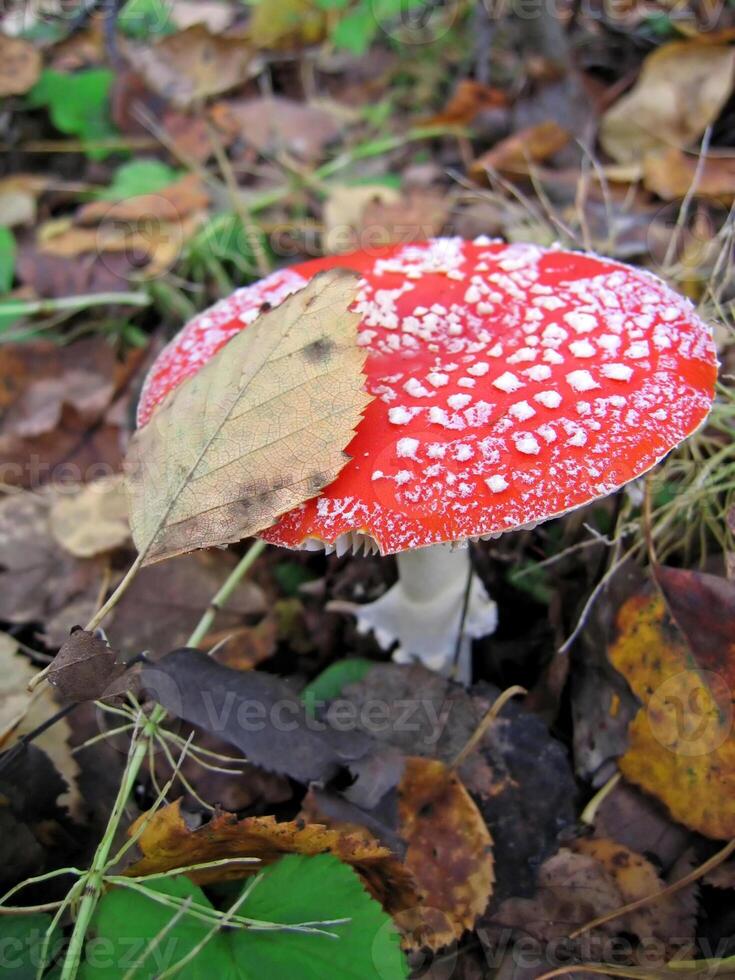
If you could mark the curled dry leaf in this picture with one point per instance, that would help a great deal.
(167, 842)
(273, 124)
(681, 90)
(91, 519)
(468, 99)
(193, 64)
(518, 152)
(86, 668)
(449, 853)
(259, 430)
(20, 66)
(670, 174)
(40, 581)
(183, 197)
(592, 879)
(682, 748)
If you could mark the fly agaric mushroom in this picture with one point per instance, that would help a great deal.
(512, 384)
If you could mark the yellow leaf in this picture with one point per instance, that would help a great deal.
(166, 843)
(259, 430)
(682, 749)
(449, 853)
(284, 24)
(681, 90)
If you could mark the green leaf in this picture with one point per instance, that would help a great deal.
(78, 104)
(300, 889)
(330, 683)
(125, 922)
(295, 890)
(356, 31)
(7, 259)
(142, 18)
(139, 177)
(291, 576)
(21, 944)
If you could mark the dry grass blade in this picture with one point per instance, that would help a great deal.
(260, 429)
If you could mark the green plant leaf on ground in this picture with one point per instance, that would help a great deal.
(140, 19)
(126, 922)
(295, 890)
(7, 259)
(78, 104)
(330, 683)
(139, 177)
(21, 945)
(355, 31)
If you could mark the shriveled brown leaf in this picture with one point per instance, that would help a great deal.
(528, 146)
(671, 173)
(20, 66)
(449, 853)
(343, 211)
(636, 878)
(55, 411)
(372, 215)
(209, 468)
(167, 843)
(244, 647)
(273, 124)
(86, 668)
(468, 99)
(39, 579)
(193, 64)
(92, 519)
(682, 88)
(148, 244)
(179, 199)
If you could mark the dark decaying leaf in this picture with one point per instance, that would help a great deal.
(86, 668)
(261, 716)
(520, 776)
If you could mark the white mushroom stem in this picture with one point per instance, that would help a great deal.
(423, 611)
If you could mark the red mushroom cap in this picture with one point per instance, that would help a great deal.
(512, 383)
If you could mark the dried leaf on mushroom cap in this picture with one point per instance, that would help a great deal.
(512, 383)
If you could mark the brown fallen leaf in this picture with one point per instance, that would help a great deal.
(301, 362)
(184, 197)
(193, 64)
(92, 519)
(371, 215)
(449, 852)
(20, 66)
(86, 668)
(39, 579)
(343, 211)
(245, 647)
(468, 99)
(682, 748)
(670, 174)
(56, 422)
(682, 88)
(166, 843)
(148, 243)
(636, 878)
(273, 124)
(165, 602)
(515, 153)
